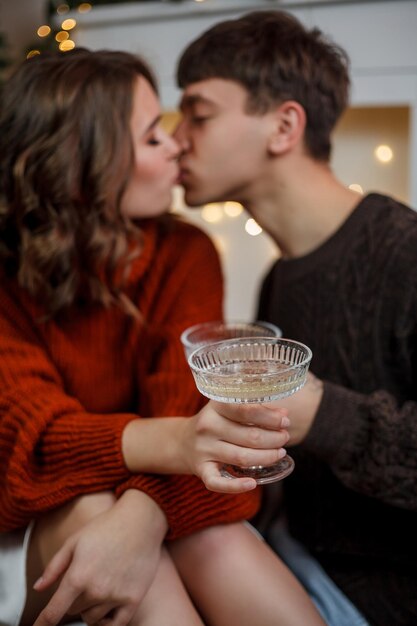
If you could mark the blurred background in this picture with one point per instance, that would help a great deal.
(375, 147)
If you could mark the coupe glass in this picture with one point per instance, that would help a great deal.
(252, 369)
(209, 332)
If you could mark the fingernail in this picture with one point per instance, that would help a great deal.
(281, 453)
(285, 422)
(38, 582)
(249, 484)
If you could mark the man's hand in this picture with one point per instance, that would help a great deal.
(302, 407)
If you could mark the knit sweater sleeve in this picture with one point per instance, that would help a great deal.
(51, 448)
(193, 293)
(370, 443)
(370, 440)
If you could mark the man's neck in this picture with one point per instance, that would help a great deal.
(302, 206)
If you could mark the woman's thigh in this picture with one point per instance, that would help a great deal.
(167, 602)
(234, 577)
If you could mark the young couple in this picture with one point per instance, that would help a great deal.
(97, 285)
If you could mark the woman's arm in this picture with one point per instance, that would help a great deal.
(246, 435)
(106, 566)
(51, 449)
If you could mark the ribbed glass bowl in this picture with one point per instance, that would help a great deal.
(251, 369)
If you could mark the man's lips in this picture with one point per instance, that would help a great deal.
(183, 175)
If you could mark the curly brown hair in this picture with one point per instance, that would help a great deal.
(275, 58)
(65, 159)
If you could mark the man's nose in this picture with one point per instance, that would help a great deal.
(180, 136)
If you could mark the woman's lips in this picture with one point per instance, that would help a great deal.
(183, 175)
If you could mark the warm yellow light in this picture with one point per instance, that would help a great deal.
(212, 213)
(62, 35)
(64, 46)
(252, 227)
(32, 53)
(198, 0)
(84, 7)
(220, 244)
(177, 205)
(68, 24)
(384, 153)
(43, 31)
(63, 8)
(233, 209)
(356, 187)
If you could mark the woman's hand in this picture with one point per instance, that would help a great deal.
(237, 434)
(240, 434)
(107, 567)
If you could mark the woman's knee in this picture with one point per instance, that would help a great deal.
(209, 543)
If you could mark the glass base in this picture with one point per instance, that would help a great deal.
(262, 474)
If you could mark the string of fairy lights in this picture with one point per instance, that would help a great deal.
(61, 36)
(50, 37)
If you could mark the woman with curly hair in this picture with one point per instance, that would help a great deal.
(103, 512)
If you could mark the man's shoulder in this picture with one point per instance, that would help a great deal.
(391, 224)
(388, 211)
(392, 248)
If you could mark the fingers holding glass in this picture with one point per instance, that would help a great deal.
(250, 371)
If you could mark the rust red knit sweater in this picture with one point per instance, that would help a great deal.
(68, 388)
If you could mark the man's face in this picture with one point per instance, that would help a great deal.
(223, 147)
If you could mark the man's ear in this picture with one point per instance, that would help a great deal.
(289, 122)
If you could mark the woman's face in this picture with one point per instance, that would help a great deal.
(155, 167)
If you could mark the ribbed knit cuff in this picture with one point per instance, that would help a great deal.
(338, 422)
(189, 506)
(75, 445)
(89, 446)
(82, 451)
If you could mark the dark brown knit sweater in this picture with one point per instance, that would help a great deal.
(352, 498)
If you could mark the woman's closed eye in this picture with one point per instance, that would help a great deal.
(153, 141)
(199, 119)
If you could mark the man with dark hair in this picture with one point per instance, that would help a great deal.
(261, 97)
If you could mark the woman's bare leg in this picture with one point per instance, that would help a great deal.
(52, 531)
(167, 602)
(233, 577)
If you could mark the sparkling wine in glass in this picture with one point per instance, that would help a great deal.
(252, 370)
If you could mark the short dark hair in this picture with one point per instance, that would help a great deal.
(275, 58)
(66, 156)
